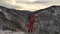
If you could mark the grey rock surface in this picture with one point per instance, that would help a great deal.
(47, 20)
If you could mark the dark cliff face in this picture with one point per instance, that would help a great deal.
(12, 19)
(47, 20)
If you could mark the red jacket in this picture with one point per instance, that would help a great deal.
(31, 24)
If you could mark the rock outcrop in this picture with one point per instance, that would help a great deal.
(47, 20)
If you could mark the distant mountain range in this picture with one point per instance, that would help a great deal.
(15, 20)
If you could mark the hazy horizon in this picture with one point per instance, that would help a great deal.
(31, 5)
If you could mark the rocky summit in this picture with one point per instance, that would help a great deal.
(46, 21)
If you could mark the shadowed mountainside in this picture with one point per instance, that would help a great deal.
(47, 20)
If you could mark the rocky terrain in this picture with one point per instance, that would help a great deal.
(47, 20)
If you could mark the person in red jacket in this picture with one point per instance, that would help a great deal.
(31, 24)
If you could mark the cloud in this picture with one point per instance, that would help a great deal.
(8, 5)
(37, 2)
(29, 5)
(34, 1)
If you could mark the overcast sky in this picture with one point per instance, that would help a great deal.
(28, 4)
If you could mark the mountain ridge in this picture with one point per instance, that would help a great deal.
(16, 20)
(28, 10)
